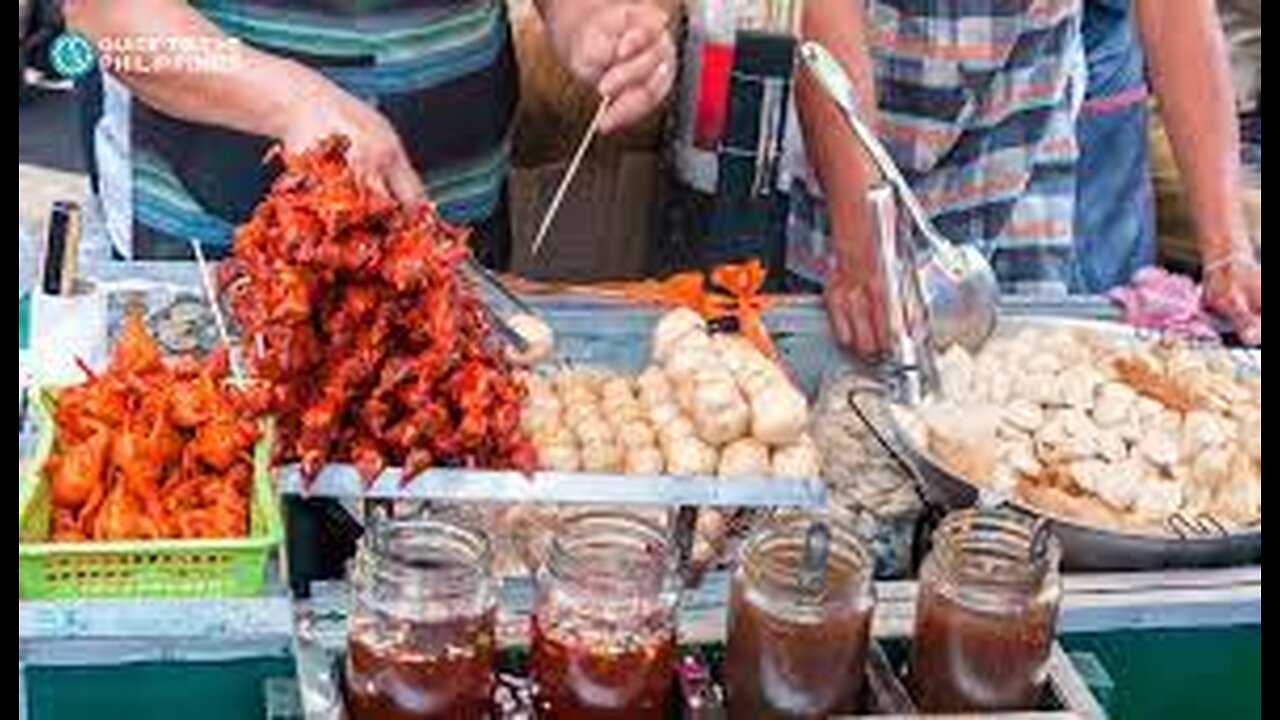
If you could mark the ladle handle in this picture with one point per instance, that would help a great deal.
(835, 81)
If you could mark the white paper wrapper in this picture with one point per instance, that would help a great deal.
(64, 329)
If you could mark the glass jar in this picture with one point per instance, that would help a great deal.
(420, 637)
(797, 638)
(986, 613)
(604, 626)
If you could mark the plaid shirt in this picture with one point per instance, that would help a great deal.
(978, 102)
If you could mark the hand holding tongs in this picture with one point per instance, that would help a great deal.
(958, 283)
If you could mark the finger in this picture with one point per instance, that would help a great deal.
(873, 314)
(634, 72)
(1247, 326)
(625, 110)
(864, 337)
(644, 27)
(660, 81)
(405, 185)
(592, 56)
(373, 180)
(839, 318)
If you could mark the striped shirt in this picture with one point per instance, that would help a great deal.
(978, 103)
(441, 71)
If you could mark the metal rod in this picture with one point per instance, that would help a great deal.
(211, 295)
(554, 207)
(489, 279)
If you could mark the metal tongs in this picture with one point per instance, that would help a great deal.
(490, 283)
(957, 281)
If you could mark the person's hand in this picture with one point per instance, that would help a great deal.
(1233, 289)
(854, 297)
(376, 153)
(622, 49)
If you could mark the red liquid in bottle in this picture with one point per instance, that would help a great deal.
(433, 670)
(712, 108)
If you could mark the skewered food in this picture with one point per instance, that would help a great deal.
(353, 309)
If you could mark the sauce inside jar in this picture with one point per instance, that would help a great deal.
(420, 634)
(604, 642)
(970, 660)
(580, 678)
(436, 670)
(793, 653)
(985, 617)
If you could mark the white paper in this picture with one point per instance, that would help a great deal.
(66, 331)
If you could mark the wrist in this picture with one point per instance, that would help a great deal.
(1212, 264)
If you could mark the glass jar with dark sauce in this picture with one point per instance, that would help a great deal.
(604, 627)
(986, 614)
(799, 620)
(421, 627)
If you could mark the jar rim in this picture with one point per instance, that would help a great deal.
(426, 558)
(769, 558)
(996, 547)
(617, 549)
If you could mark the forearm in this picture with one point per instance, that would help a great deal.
(836, 158)
(253, 93)
(1187, 63)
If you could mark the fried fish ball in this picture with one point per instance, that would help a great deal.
(689, 359)
(553, 434)
(653, 386)
(617, 389)
(717, 408)
(625, 414)
(672, 328)
(663, 414)
(691, 456)
(744, 457)
(575, 415)
(537, 421)
(602, 457)
(577, 378)
(779, 414)
(646, 460)
(543, 398)
(799, 460)
(579, 396)
(636, 434)
(538, 336)
(677, 429)
(560, 457)
(598, 432)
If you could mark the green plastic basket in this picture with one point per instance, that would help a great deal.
(151, 568)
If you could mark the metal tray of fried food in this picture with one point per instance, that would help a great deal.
(1184, 542)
